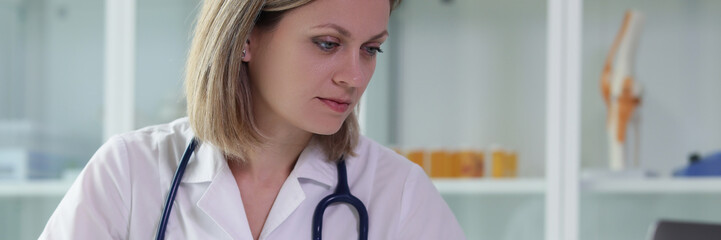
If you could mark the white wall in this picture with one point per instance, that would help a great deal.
(50, 71)
(164, 31)
(8, 80)
(55, 57)
(70, 76)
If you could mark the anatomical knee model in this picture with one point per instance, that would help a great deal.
(621, 93)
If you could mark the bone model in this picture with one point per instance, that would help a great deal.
(621, 93)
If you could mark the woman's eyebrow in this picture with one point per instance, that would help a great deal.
(380, 35)
(346, 33)
(340, 29)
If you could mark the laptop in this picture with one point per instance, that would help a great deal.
(677, 230)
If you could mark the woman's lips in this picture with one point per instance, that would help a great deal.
(336, 105)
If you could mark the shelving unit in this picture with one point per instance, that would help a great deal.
(46, 188)
(490, 186)
(678, 38)
(706, 185)
(518, 73)
(444, 186)
(652, 186)
(15, 126)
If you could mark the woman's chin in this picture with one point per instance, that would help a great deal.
(325, 129)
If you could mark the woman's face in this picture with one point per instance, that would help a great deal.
(311, 70)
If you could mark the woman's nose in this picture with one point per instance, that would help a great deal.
(350, 72)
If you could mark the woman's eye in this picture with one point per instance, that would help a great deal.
(373, 50)
(326, 45)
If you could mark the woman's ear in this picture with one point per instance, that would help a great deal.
(251, 44)
(246, 51)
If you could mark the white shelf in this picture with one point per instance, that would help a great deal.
(490, 186)
(48, 188)
(444, 186)
(14, 126)
(465, 186)
(653, 186)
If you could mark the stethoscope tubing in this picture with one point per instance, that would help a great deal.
(174, 189)
(342, 194)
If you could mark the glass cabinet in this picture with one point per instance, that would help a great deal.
(465, 74)
(51, 105)
(482, 73)
(677, 61)
(54, 87)
(515, 85)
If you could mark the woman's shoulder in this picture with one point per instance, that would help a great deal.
(401, 190)
(157, 139)
(162, 134)
(151, 152)
(145, 147)
(386, 165)
(382, 156)
(122, 178)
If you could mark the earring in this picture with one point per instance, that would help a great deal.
(243, 54)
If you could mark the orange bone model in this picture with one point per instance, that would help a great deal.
(621, 93)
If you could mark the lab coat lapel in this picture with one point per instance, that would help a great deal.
(222, 202)
(289, 197)
(314, 165)
(311, 165)
(204, 164)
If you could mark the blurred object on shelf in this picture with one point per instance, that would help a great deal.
(18, 164)
(442, 163)
(504, 164)
(672, 230)
(622, 93)
(471, 163)
(701, 167)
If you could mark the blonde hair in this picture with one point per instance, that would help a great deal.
(217, 85)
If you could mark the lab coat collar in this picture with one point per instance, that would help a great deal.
(313, 165)
(204, 165)
(290, 196)
(222, 202)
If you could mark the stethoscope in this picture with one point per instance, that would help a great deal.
(341, 195)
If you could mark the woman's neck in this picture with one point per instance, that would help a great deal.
(264, 171)
(275, 157)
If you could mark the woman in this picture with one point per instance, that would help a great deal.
(271, 89)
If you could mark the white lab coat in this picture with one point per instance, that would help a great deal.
(121, 192)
